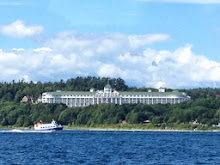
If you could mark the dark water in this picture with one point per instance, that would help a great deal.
(109, 147)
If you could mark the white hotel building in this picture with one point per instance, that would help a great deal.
(108, 95)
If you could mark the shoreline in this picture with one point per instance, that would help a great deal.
(136, 129)
(121, 130)
(142, 130)
(128, 129)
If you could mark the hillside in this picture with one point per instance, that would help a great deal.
(202, 110)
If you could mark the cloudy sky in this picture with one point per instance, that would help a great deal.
(151, 43)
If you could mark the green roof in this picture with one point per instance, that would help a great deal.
(153, 93)
(174, 93)
(108, 86)
(72, 93)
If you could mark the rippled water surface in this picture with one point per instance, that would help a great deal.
(109, 147)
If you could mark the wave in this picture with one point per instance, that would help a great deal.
(25, 131)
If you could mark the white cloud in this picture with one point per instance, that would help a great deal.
(112, 55)
(109, 70)
(18, 29)
(141, 40)
(106, 46)
(186, 1)
(18, 49)
(8, 61)
(46, 49)
(26, 78)
(8, 57)
(160, 84)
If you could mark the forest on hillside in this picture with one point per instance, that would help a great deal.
(201, 111)
(203, 108)
(14, 91)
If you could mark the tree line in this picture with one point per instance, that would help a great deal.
(14, 91)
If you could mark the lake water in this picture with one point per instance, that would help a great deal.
(109, 147)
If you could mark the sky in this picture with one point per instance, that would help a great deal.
(148, 43)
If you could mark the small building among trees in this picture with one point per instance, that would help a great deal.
(217, 95)
(27, 99)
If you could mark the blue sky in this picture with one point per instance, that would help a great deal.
(152, 43)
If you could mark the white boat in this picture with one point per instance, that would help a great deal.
(47, 126)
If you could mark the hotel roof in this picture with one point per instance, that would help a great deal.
(174, 93)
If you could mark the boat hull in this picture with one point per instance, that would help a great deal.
(50, 129)
(58, 129)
